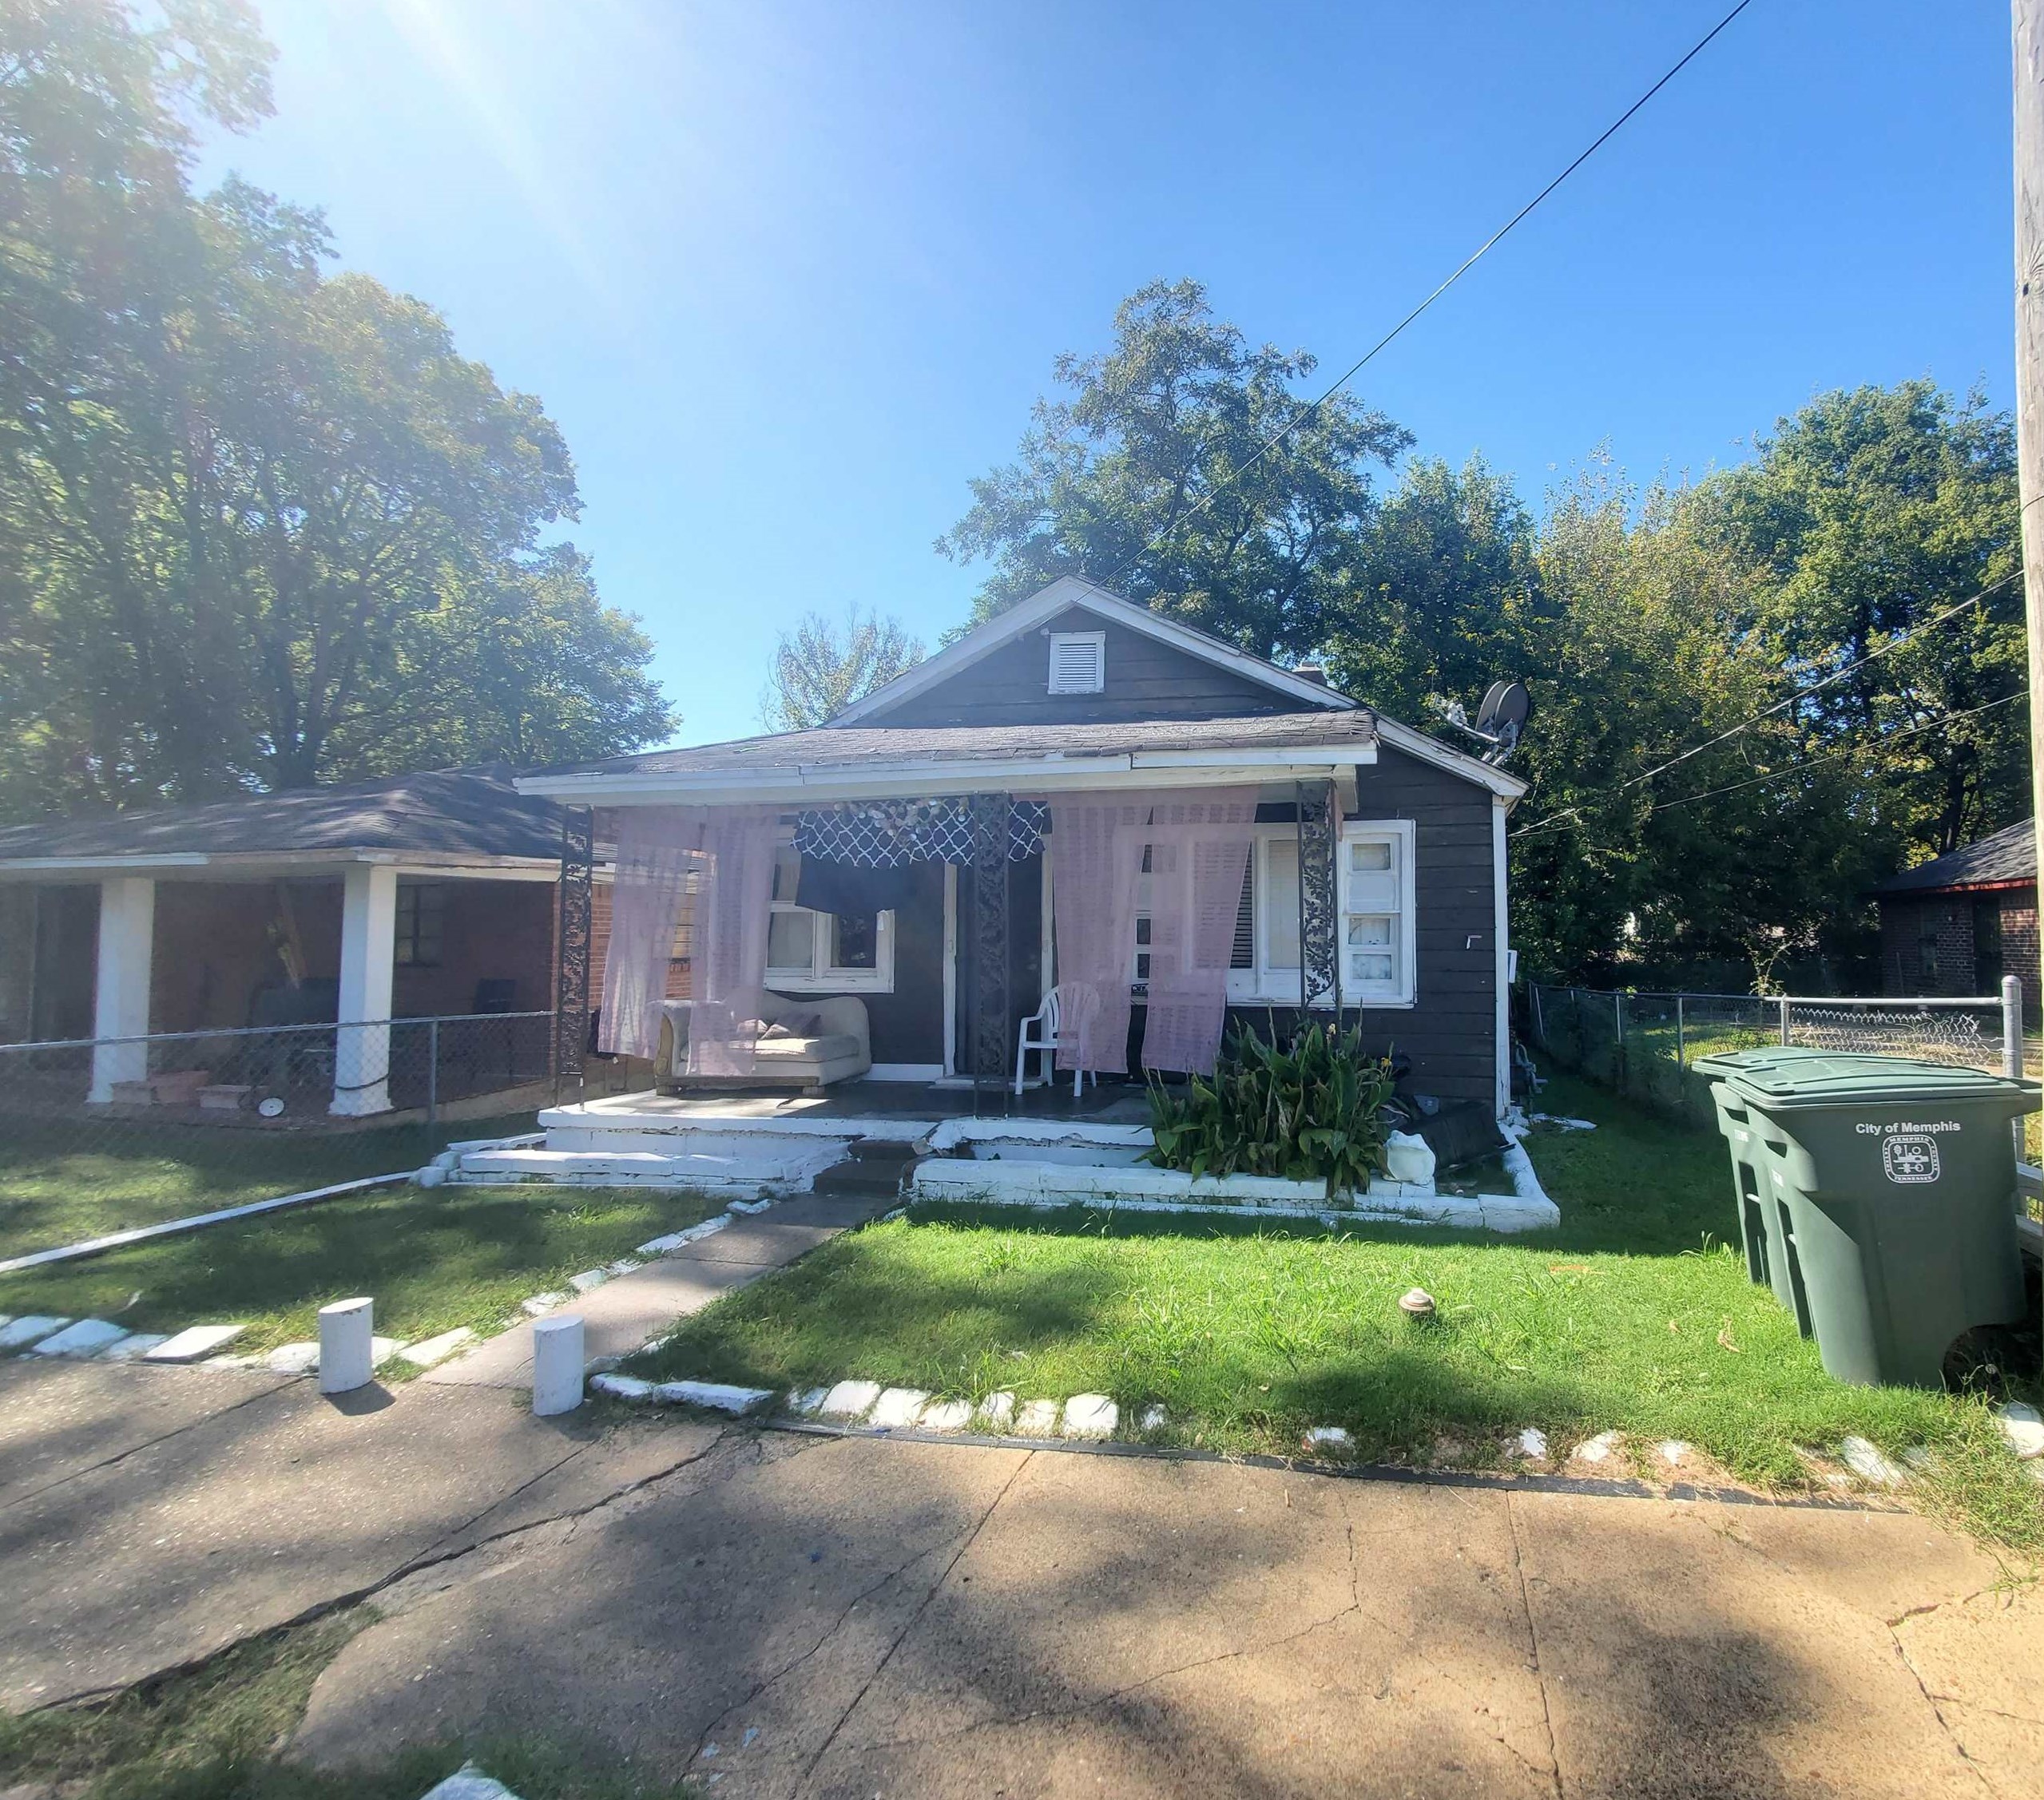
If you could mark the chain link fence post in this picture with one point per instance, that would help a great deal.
(1783, 1007)
(1682, 1038)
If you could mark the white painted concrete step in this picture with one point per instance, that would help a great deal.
(629, 1168)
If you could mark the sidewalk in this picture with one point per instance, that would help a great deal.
(793, 1614)
(622, 1314)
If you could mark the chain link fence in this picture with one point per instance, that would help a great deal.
(1646, 1044)
(102, 1135)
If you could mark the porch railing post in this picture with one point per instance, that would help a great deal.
(992, 1030)
(571, 946)
(1319, 903)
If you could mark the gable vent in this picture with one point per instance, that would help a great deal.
(1078, 662)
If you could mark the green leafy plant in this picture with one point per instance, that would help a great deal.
(1312, 1110)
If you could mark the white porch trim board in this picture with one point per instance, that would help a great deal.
(811, 783)
(121, 992)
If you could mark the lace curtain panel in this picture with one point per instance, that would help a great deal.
(657, 849)
(1098, 847)
(734, 910)
(1200, 845)
(731, 850)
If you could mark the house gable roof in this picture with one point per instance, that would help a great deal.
(471, 813)
(2003, 859)
(1066, 594)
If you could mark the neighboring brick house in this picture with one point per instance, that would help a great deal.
(1957, 925)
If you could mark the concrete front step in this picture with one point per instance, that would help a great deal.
(876, 1177)
(781, 1168)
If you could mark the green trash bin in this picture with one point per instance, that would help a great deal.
(1895, 1180)
(1763, 1226)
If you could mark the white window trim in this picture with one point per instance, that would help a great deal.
(1404, 832)
(1098, 641)
(822, 977)
(1263, 985)
(819, 977)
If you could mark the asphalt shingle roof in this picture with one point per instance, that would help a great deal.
(2006, 855)
(473, 811)
(852, 745)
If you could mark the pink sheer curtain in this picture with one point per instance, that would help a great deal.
(656, 850)
(1096, 848)
(733, 909)
(1200, 841)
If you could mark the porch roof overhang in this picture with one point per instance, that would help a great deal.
(818, 766)
(274, 866)
(833, 763)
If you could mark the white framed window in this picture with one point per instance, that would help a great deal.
(809, 952)
(1374, 868)
(1378, 956)
(1078, 662)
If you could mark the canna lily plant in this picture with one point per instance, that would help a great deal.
(1311, 1111)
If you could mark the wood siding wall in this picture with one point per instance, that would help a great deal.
(1145, 679)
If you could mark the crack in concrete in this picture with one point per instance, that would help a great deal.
(829, 1631)
(1937, 1712)
(429, 1559)
(915, 1618)
(1554, 1771)
(120, 1457)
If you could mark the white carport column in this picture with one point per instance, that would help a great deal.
(369, 942)
(120, 991)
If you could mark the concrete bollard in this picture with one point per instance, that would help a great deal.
(556, 1365)
(348, 1356)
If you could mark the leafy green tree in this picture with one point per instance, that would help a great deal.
(1445, 597)
(262, 525)
(1868, 513)
(1164, 475)
(819, 669)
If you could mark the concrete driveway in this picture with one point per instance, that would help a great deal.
(784, 1615)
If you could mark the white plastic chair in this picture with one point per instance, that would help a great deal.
(1065, 1017)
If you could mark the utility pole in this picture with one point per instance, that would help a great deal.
(2028, 18)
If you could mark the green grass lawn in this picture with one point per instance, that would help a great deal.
(65, 1181)
(1634, 1315)
(433, 1258)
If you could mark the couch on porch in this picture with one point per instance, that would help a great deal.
(809, 1043)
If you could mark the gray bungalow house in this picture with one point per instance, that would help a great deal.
(1082, 795)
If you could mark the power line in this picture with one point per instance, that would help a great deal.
(1781, 705)
(1881, 742)
(1467, 264)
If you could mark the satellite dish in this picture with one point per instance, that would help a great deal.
(1504, 709)
(1497, 720)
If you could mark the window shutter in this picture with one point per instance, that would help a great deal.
(1078, 662)
(1243, 955)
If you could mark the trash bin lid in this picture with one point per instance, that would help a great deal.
(1846, 1079)
(1723, 1063)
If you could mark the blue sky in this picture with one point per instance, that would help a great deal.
(788, 274)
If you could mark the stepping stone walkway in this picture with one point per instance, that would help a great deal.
(687, 1270)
